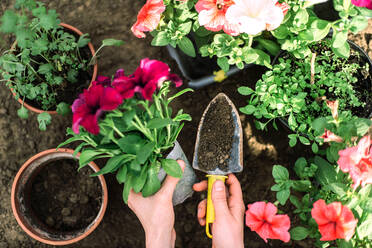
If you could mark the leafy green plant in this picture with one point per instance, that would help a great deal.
(136, 137)
(297, 91)
(46, 59)
(319, 178)
(303, 28)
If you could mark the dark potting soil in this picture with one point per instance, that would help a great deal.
(67, 92)
(216, 136)
(65, 199)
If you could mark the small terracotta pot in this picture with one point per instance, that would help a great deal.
(24, 215)
(95, 70)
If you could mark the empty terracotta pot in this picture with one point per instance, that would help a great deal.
(21, 200)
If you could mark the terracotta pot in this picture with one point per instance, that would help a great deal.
(95, 70)
(24, 215)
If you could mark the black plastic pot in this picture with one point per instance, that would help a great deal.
(353, 46)
(198, 70)
(326, 11)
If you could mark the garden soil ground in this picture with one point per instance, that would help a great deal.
(20, 139)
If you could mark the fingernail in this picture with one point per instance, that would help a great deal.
(219, 186)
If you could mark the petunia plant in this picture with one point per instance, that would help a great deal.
(128, 120)
(332, 197)
(238, 32)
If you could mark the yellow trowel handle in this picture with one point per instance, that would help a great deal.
(210, 207)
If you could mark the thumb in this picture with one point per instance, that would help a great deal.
(219, 199)
(170, 182)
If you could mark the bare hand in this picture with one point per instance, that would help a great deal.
(156, 213)
(228, 227)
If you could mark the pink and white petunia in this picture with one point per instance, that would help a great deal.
(253, 17)
(212, 15)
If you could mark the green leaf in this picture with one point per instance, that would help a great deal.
(140, 180)
(49, 20)
(87, 156)
(8, 22)
(111, 164)
(315, 148)
(223, 63)
(326, 173)
(44, 119)
(63, 108)
(159, 123)
(245, 91)
(301, 185)
(248, 110)
(161, 39)
(299, 233)
(152, 184)
(112, 42)
(320, 29)
(280, 173)
(83, 40)
(304, 140)
(185, 28)
(358, 23)
(345, 244)
(45, 69)
(272, 47)
(299, 167)
(187, 47)
(122, 173)
(72, 76)
(339, 39)
(364, 229)
(283, 196)
(171, 167)
(144, 153)
(292, 140)
(343, 51)
(182, 117)
(131, 143)
(22, 112)
(127, 187)
(292, 121)
(337, 188)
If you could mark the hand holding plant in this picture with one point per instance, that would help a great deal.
(156, 213)
(129, 120)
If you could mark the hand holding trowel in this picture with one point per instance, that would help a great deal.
(219, 146)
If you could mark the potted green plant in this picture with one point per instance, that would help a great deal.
(301, 90)
(48, 62)
(129, 121)
(55, 204)
(331, 197)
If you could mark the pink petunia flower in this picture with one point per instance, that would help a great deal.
(357, 161)
(334, 220)
(90, 106)
(328, 136)
(145, 80)
(212, 16)
(261, 217)
(362, 3)
(148, 17)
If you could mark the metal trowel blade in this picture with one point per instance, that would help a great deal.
(235, 160)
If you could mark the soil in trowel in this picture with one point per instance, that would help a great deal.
(216, 137)
(65, 199)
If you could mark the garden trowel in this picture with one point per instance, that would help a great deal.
(219, 146)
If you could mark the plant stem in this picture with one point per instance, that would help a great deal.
(312, 79)
(250, 41)
(118, 131)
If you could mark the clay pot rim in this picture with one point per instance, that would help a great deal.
(94, 76)
(86, 232)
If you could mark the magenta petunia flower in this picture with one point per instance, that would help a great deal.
(91, 104)
(362, 3)
(145, 80)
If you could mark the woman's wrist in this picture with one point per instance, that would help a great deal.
(156, 238)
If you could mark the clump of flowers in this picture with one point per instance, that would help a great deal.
(333, 190)
(128, 120)
(239, 32)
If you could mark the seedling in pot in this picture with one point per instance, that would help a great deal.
(218, 146)
(48, 64)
